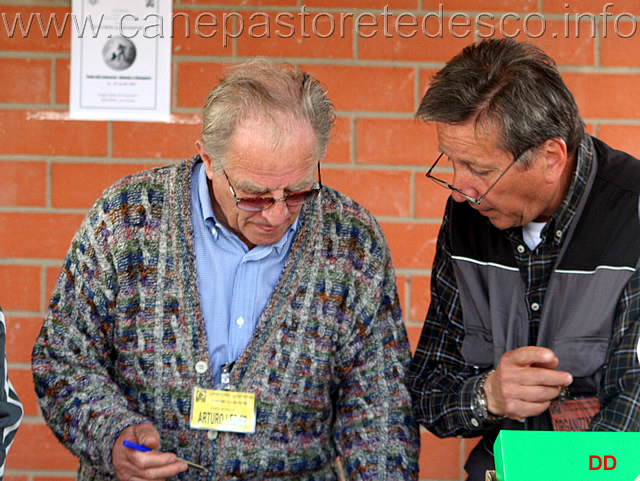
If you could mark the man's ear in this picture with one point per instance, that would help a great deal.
(206, 158)
(200, 149)
(556, 159)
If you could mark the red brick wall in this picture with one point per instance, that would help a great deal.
(52, 168)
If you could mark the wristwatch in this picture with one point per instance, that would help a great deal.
(479, 403)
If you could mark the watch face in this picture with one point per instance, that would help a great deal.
(479, 404)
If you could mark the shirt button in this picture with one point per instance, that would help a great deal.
(201, 367)
(213, 231)
(520, 249)
(212, 435)
(474, 422)
(558, 234)
(535, 306)
(240, 322)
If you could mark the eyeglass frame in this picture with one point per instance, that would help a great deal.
(311, 194)
(477, 201)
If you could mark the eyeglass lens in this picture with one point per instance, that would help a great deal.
(262, 203)
(447, 185)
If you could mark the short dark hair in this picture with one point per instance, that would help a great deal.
(511, 85)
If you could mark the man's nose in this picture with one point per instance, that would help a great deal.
(464, 182)
(276, 213)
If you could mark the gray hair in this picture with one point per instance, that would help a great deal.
(264, 90)
(511, 85)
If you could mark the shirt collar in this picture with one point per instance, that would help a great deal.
(564, 214)
(203, 193)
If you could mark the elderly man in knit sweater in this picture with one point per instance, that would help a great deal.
(232, 311)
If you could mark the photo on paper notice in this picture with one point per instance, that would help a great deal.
(120, 60)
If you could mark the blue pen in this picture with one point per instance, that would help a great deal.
(145, 449)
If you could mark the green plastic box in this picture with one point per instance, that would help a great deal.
(567, 456)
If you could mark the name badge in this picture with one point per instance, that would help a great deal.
(573, 414)
(223, 410)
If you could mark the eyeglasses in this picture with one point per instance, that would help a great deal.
(256, 204)
(477, 201)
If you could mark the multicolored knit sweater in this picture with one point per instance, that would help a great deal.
(124, 332)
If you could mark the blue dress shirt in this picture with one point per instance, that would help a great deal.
(235, 281)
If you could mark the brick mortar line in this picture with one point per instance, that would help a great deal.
(53, 81)
(43, 210)
(35, 3)
(412, 271)
(222, 7)
(33, 54)
(19, 366)
(177, 60)
(82, 211)
(354, 61)
(419, 169)
(416, 323)
(43, 262)
(399, 64)
(338, 62)
(22, 314)
(548, 15)
(62, 109)
(48, 194)
(87, 159)
(45, 295)
(181, 115)
(52, 474)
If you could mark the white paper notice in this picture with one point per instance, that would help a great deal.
(121, 60)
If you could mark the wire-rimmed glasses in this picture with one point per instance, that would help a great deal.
(257, 204)
(470, 198)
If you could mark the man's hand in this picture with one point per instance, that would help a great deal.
(524, 382)
(131, 465)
